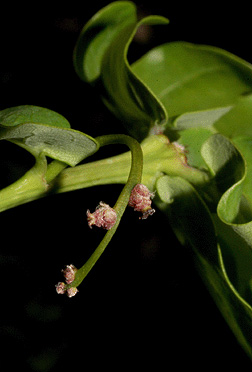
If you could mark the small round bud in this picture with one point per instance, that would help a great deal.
(61, 288)
(140, 200)
(69, 273)
(104, 216)
(72, 292)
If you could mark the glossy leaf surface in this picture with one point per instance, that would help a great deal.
(188, 77)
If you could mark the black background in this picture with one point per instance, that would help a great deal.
(143, 305)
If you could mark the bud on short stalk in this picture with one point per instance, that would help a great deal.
(72, 291)
(61, 288)
(140, 200)
(104, 216)
(69, 275)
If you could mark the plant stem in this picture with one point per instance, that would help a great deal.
(159, 157)
(29, 187)
(53, 169)
(122, 202)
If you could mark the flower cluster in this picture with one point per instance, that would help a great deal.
(140, 200)
(69, 275)
(104, 216)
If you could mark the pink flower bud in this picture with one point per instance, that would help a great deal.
(61, 288)
(104, 216)
(72, 292)
(140, 200)
(69, 273)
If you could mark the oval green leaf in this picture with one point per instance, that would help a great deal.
(13, 116)
(44, 132)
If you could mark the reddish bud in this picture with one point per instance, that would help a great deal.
(104, 216)
(61, 288)
(140, 200)
(69, 273)
(72, 292)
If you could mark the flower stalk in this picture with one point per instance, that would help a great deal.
(134, 178)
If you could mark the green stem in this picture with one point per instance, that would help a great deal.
(26, 188)
(122, 202)
(160, 157)
(54, 169)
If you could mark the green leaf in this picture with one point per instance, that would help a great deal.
(13, 116)
(200, 119)
(237, 122)
(234, 122)
(228, 167)
(192, 140)
(244, 145)
(42, 131)
(219, 252)
(224, 161)
(220, 241)
(178, 198)
(188, 78)
(234, 207)
(100, 58)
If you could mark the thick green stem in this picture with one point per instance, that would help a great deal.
(29, 187)
(53, 169)
(122, 202)
(160, 157)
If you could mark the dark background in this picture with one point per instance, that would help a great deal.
(143, 305)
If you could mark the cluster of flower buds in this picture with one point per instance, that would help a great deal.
(69, 275)
(140, 200)
(104, 216)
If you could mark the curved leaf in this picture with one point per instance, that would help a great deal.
(66, 145)
(188, 77)
(244, 145)
(234, 213)
(100, 58)
(13, 116)
(229, 169)
(42, 131)
(177, 199)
